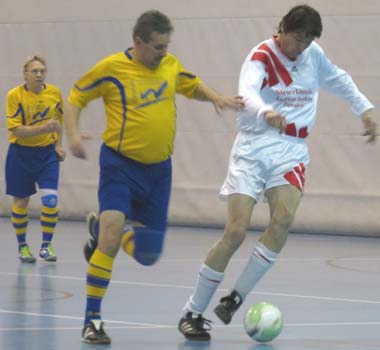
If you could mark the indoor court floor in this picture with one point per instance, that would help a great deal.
(328, 288)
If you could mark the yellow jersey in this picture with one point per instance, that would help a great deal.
(139, 103)
(25, 107)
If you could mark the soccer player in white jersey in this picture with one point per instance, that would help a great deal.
(279, 80)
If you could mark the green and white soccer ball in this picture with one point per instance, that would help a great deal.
(263, 322)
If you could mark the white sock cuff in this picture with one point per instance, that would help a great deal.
(211, 274)
(266, 253)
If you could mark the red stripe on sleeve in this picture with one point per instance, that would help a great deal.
(260, 56)
(272, 76)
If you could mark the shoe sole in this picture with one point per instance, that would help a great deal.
(223, 315)
(134, 223)
(89, 216)
(28, 261)
(87, 252)
(92, 214)
(50, 259)
(191, 337)
(97, 342)
(195, 338)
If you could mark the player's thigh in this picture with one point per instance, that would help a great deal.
(114, 195)
(114, 191)
(20, 181)
(152, 211)
(48, 176)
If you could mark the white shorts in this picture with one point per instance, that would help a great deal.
(260, 162)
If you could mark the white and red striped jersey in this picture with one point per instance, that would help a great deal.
(271, 81)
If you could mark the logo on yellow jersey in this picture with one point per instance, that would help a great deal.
(152, 96)
(40, 116)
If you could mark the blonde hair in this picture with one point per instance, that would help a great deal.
(31, 59)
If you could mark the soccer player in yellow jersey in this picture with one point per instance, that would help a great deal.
(34, 119)
(138, 88)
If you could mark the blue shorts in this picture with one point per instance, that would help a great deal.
(141, 191)
(27, 166)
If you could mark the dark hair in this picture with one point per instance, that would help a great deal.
(149, 22)
(302, 18)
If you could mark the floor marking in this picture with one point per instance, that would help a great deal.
(160, 285)
(137, 325)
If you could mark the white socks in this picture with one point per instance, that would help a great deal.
(208, 282)
(259, 263)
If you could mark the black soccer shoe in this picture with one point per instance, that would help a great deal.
(93, 333)
(195, 327)
(92, 242)
(228, 305)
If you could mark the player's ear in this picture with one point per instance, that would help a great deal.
(138, 40)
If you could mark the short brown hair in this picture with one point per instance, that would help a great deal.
(302, 18)
(149, 22)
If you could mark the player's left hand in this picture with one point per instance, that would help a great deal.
(61, 154)
(235, 103)
(370, 127)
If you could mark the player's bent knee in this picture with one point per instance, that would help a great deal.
(49, 200)
(148, 245)
(147, 258)
(285, 222)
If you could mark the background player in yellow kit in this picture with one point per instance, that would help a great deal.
(34, 119)
(138, 88)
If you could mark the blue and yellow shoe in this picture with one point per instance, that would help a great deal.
(48, 254)
(25, 255)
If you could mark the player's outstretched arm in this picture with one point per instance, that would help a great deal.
(370, 126)
(205, 93)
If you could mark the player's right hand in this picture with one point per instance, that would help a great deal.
(77, 148)
(52, 125)
(275, 120)
(370, 126)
